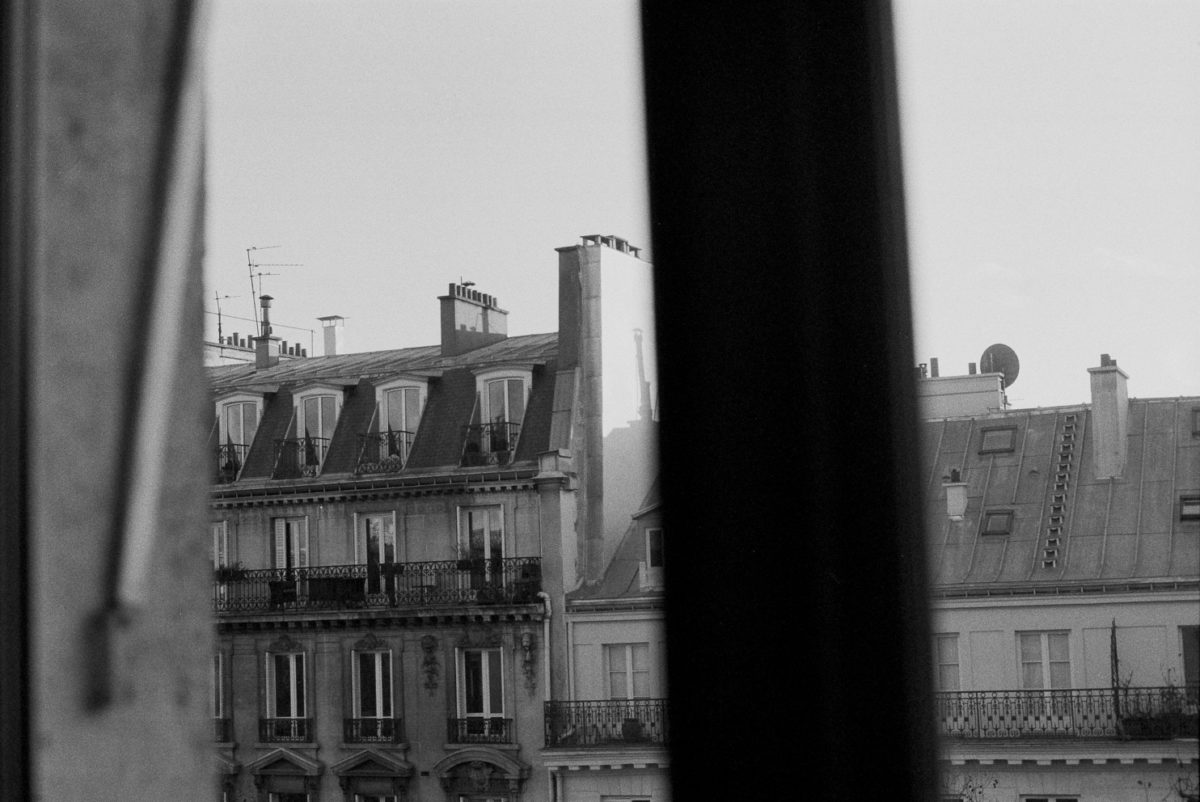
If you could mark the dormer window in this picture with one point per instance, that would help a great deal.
(398, 407)
(237, 423)
(654, 548)
(302, 452)
(503, 395)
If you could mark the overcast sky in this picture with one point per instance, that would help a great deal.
(1051, 163)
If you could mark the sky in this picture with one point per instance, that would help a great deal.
(1051, 158)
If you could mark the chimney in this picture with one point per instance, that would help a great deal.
(335, 334)
(470, 319)
(933, 367)
(266, 348)
(1110, 418)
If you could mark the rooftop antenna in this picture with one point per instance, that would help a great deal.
(251, 265)
(218, 297)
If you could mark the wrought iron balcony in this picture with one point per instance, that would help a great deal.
(479, 730)
(512, 580)
(489, 443)
(275, 730)
(222, 730)
(1130, 713)
(383, 452)
(606, 723)
(230, 459)
(373, 730)
(298, 457)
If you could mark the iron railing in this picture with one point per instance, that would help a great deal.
(611, 723)
(373, 730)
(297, 457)
(512, 580)
(1133, 713)
(222, 730)
(489, 443)
(479, 730)
(383, 452)
(230, 459)
(274, 730)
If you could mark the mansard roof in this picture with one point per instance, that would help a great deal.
(1059, 524)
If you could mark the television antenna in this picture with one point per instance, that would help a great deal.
(253, 266)
(218, 296)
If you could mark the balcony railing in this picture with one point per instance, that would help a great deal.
(489, 443)
(512, 580)
(479, 730)
(384, 452)
(373, 730)
(273, 730)
(230, 459)
(608, 723)
(222, 730)
(1133, 713)
(298, 457)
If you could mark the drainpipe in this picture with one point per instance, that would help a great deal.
(545, 597)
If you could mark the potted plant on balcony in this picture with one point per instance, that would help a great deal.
(228, 573)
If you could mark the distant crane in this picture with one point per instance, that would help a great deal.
(253, 265)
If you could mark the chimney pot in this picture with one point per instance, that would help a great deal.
(971, 368)
(933, 367)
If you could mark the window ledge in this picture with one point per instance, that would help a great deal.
(513, 747)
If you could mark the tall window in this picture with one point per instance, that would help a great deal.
(373, 685)
(628, 670)
(239, 422)
(654, 548)
(220, 544)
(480, 687)
(481, 533)
(506, 400)
(401, 410)
(946, 658)
(315, 422)
(286, 704)
(377, 548)
(218, 686)
(291, 543)
(1045, 660)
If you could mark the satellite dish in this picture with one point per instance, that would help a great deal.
(999, 358)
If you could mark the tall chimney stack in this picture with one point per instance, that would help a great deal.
(1110, 418)
(266, 346)
(335, 334)
(470, 319)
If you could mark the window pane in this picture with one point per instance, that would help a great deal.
(495, 691)
(1057, 646)
(298, 671)
(1031, 648)
(283, 686)
(495, 535)
(366, 685)
(1060, 675)
(385, 684)
(389, 540)
(249, 423)
(473, 682)
(496, 401)
(654, 538)
(948, 677)
(947, 649)
(312, 418)
(412, 409)
(516, 400)
(328, 416)
(1031, 676)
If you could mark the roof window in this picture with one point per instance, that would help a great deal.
(1189, 508)
(998, 439)
(997, 522)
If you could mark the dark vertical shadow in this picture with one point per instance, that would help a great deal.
(15, 149)
(797, 618)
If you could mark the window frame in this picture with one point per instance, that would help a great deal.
(1189, 507)
(298, 696)
(405, 383)
(662, 550)
(222, 404)
(1044, 662)
(460, 663)
(217, 686)
(388, 686)
(1006, 516)
(995, 449)
(484, 379)
(460, 543)
(627, 651)
(310, 392)
(938, 664)
(306, 551)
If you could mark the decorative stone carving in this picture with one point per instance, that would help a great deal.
(480, 774)
(429, 664)
(284, 643)
(528, 661)
(369, 643)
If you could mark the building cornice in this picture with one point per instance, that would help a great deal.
(354, 489)
(1073, 590)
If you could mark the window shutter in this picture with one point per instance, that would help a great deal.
(302, 543)
(269, 691)
(280, 543)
